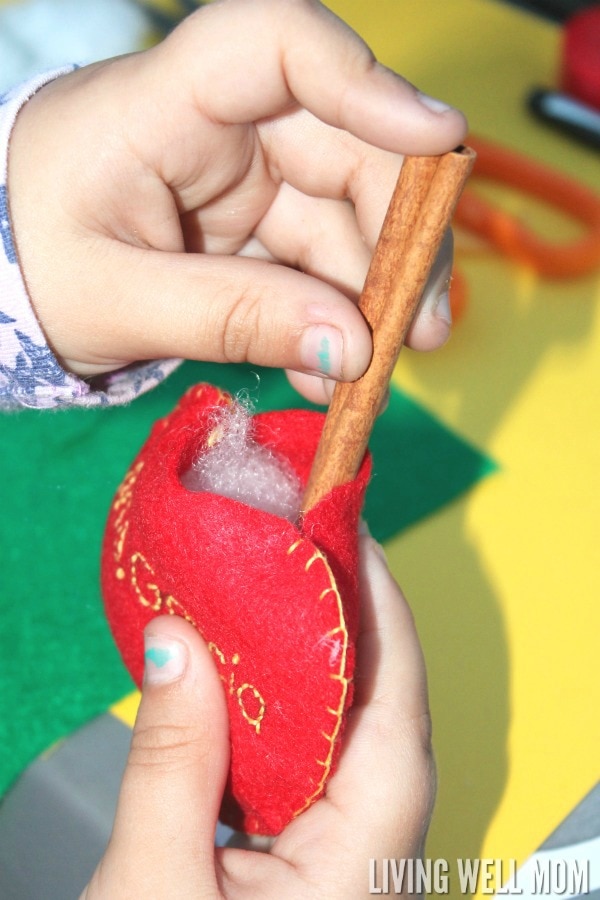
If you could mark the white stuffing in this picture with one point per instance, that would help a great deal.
(233, 465)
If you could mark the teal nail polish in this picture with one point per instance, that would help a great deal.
(165, 659)
(323, 356)
(159, 656)
(321, 351)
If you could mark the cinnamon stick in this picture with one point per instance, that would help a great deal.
(418, 216)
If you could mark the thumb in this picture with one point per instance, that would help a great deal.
(175, 775)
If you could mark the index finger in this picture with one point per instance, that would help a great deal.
(269, 54)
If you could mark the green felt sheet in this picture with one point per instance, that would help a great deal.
(59, 473)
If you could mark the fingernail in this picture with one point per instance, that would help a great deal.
(321, 351)
(378, 550)
(369, 543)
(442, 308)
(165, 659)
(372, 553)
(438, 305)
(432, 103)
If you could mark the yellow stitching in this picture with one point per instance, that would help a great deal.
(120, 573)
(121, 506)
(172, 604)
(125, 490)
(255, 722)
(337, 676)
(313, 559)
(231, 688)
(158, 601)
(122, 498)
(121, 529)
(324, 593)
(218, 653)
(121, 514)
(295, 545)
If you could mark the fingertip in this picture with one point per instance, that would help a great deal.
(166, 658)
(335, 343)
(392, 113)
(431, 330)
(374, 563)
(164, 631)
(444, 114)
(174, 651)
(432, 325)
(383, 599)
(177, 626)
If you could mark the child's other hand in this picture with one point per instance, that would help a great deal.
(377, 805)
(260, 137)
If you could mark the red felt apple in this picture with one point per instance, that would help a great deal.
(277, 603)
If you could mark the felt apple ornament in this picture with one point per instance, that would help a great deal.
(277, 602)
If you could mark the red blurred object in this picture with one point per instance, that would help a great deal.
(276, 603)
(580, 75)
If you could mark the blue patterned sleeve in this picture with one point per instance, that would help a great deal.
(30, 374)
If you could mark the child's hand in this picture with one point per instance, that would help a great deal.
(377, 805)
(261, 130)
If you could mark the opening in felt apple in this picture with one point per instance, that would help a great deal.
(232, 464)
